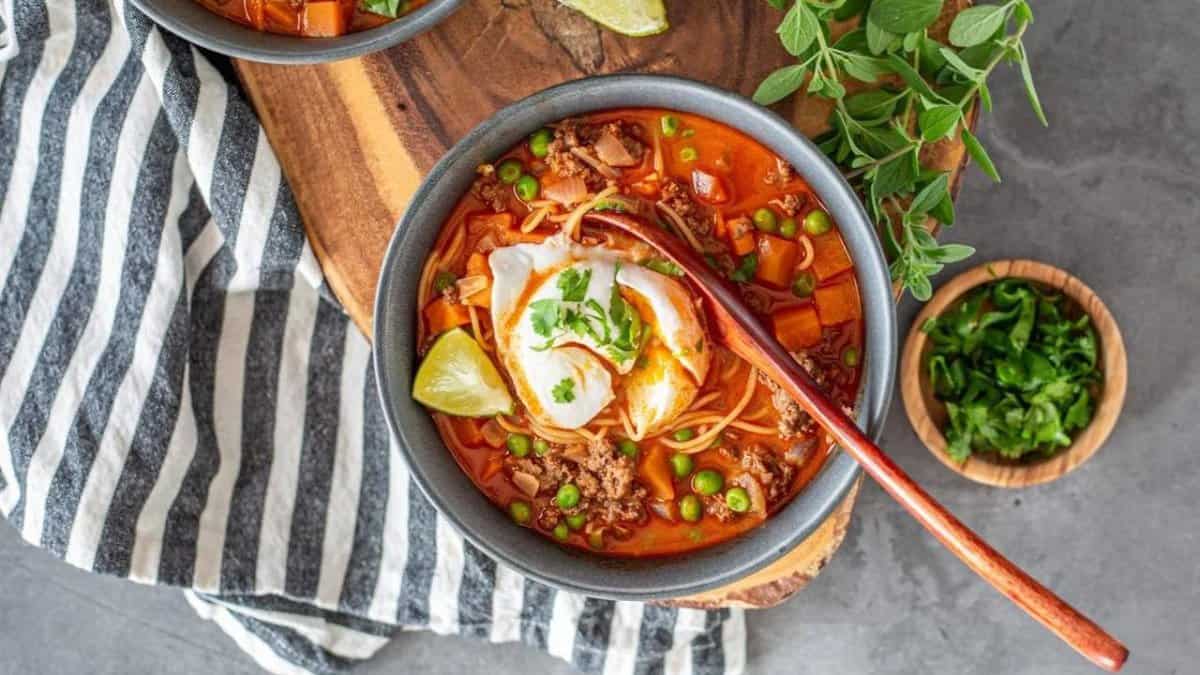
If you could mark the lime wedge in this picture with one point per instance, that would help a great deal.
(635, 18)
(458, 378)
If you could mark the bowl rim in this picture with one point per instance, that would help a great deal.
(1113, 360)
(644, 578)
(196, 24)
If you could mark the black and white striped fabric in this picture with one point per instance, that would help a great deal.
(182, 403)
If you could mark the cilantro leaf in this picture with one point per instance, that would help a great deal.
(564, 391)
(745, 269)
(574, 284)
(545, 315)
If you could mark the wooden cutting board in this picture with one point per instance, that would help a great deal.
(355, 137)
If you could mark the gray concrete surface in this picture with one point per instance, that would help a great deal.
(1109, 192)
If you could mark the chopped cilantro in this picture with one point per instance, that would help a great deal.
(746, 268)
(564, 391)
(574, 284)
(545, 316)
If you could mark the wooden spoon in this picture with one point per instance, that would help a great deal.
(745, 335)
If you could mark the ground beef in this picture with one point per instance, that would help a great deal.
(604, 476)
(781, 174)
(487, 188)
(771, 472)
(573, 133)
(789, 204)
(792, 419)
(698, 218)
(716, 507)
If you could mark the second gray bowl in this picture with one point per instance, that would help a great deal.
(430, 462)
(192, 22)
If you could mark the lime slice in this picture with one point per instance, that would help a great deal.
(458, 378)
(635, 18)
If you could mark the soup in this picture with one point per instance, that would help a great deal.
(595, 405)
(311, 18)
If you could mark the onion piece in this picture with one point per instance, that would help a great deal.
(664, 510)
(526, 483)
(613, 152)
(800, 450)
(566, 191)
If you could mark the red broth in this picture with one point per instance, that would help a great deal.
(823, 328)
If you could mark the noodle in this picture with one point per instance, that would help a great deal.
(808, 253)
(658, 154)
(705, 439)
(679, 224)
(704, 400)
(534, 219)
(571, 225)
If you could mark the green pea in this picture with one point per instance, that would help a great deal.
(540, 446)
(670, 125)
(509, 171)
(576, 521)
(443, 280)
(688, 133)
(690, 508)
(683, 435)
(628, 447)
(804, 284)
(688, 154)
(518, 444)
(568, 496)
(528, 188)
(817, 222)
(787, 228)
(561, 531)
(708, 482)
(850, 357)
(521, 512)
(764, 220)
(539, 142)
(738, 500)
(682, 464)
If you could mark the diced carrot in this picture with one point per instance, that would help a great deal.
(776, 260)
(468, 431)
(721, 230)
(443, 315)
(797, 328)
(655, 472)
(488, 221)
(281, 15)
(829, 256)
(741, 235)
(477, 264)
(256, 13)
(838, 303)
(323, 19)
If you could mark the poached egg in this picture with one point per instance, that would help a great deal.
(566, 373)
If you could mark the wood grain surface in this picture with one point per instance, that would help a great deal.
(354, 138)
(928, 415)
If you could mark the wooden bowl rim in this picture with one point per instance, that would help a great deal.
(1112, 359)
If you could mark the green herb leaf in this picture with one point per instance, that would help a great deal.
(780, 84)
(977, 153)
(1030, 90)
(939, 121)
(391, 8)
(544, 314)
(904, 16)
(745, 269)
(564, 391)
(799, 28)
(930, 195)
(974, 25)
(663, 266)
(574, 284)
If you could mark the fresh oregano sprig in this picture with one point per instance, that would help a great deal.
(921, 92)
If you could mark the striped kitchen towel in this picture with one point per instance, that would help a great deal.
(182, 403)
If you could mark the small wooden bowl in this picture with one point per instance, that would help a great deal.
(928, 415)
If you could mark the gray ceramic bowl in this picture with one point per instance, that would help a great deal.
(192, 22)
(431, 464)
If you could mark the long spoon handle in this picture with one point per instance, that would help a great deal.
(745, 335)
